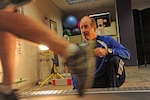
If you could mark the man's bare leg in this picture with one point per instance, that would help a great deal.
(29, 29)
(7, 54)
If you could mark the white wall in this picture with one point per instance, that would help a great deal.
(38, 11)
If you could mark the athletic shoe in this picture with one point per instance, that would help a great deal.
(13, 3)
(82, 65)
(11, 96)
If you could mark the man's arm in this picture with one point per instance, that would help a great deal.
(117, 48)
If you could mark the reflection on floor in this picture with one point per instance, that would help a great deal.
(137, 77)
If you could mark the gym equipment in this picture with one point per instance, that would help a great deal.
(45, 62)
(70, 22)
(76, 31)
(67, 32)
(54, 73)
(128, 93)
(61, 82)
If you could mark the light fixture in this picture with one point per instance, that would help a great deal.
(101, 14)
(43, 47)
(74, 2)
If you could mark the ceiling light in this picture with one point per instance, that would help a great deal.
(74, 2)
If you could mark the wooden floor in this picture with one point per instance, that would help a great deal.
(134, 78)
(104, 96)
(138, 77)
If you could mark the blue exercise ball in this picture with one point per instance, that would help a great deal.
(70, 22)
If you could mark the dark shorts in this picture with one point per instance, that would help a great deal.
(112, 73)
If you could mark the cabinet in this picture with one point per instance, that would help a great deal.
(75, 39)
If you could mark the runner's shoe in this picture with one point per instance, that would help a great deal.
(12, 3)
(11, 96)
(82, 65)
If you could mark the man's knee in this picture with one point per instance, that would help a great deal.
(114, 60)
(117, 71)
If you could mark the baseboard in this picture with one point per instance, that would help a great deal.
(23, 86)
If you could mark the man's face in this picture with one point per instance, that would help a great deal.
(88, 32)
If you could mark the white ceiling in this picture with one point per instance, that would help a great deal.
(66, 8)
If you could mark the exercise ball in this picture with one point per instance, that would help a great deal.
(70, 22)
(76, 31)
(67, 32)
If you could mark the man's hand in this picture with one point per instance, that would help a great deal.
(100, 52)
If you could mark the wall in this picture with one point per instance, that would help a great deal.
(48, 9)
(39, 10)
(126, 29)
(79, 15)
